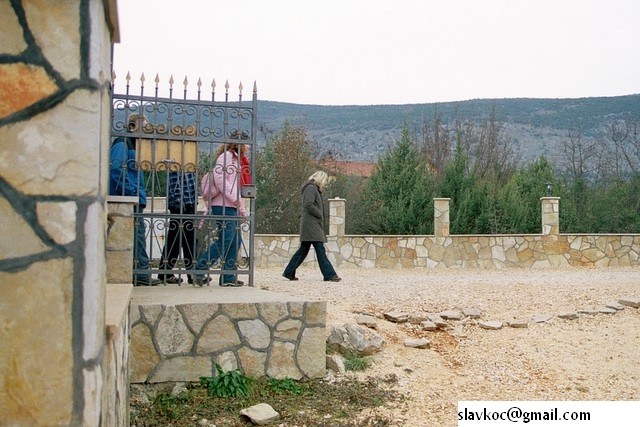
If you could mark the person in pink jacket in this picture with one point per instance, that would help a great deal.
(221, 193)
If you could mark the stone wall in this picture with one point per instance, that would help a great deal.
(180, 334)
(550, 249)
(115, 369)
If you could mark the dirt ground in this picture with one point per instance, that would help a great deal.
(594, 357)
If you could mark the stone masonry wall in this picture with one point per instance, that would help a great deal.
(115, 369)
(484, 252)
(54, 140)
(550, 249)
(256, 331)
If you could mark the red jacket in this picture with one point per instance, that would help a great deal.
(245, 172)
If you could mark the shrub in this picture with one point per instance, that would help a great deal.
(227, 384)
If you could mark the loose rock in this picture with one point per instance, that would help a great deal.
(396, 316)
(630, 302)
(490, 324)
(473, 313)
(366, 320)
(541, 318)
(418, 343)
(451, 315)
(260, 414)
(517, 323)
(568, 315)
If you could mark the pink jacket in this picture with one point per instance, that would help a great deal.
(227, 180)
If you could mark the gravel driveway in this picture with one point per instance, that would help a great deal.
(593, 357)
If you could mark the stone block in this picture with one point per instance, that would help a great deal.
(119, 266)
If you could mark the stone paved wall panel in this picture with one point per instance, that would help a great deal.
(484, 252)
(184, 341)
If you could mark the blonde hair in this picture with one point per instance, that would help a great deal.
(137, 120)
(239, 148)
(320, 177)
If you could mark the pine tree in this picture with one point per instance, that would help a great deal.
(398, 195)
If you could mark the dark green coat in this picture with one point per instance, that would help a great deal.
(312, 220)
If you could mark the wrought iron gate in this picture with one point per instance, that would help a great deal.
(162, 150)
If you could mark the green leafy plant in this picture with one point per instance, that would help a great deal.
(356, 363)
(227, 384)
(287, 386)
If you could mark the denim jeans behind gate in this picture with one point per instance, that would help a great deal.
(141, 258)
(225, 247)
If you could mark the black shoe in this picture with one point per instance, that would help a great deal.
(147, 282)
(235, 284)
(333, 279)
(199, 280)
(292, 278)
(173, 280)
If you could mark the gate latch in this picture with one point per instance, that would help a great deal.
(248, 191)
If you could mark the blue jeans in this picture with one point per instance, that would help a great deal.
(140, 257)
(323, 262)
(225, 248)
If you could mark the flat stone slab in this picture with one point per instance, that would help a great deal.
(396, 316)
(615, 306)
(417, 343)
(571, 315)
(541, 318)
(587, 311)
(260, 414)
(607, 310)
(517, 323)
(417, 319)
(428, 325)
(473, 313)
(630, 302)
(490, 324)
(451, 315)
(438, 321)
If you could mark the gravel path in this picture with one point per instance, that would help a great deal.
(594, 357)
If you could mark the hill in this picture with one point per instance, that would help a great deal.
(534, 126)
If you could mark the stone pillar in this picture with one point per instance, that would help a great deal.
(54, 147)
(120, 238)
(550, 215)
(337, 214)
(441, 217)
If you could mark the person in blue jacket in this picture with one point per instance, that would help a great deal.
(125, 179)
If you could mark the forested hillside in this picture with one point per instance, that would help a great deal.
(533, 126)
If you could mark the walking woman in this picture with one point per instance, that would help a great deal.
(312, 229)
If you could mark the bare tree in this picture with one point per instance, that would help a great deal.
(284, 164)
(624, 136)
(580, 155)
(619, 156)
(436, 147)
(488, 147)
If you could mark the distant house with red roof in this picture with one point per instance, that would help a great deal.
(362, 169)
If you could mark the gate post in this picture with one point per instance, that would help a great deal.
(550, 215)
(441, 217)
(337, 208)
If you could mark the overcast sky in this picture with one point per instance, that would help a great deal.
(363, 52)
